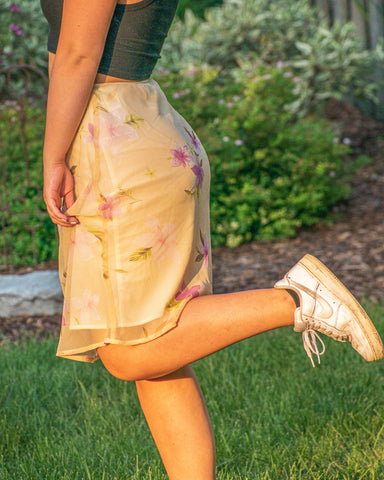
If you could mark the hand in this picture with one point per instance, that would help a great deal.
(58, 193)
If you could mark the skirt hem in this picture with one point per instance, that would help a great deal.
(80, 354)
(83, 354)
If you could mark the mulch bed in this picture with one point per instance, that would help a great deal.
(353, 246)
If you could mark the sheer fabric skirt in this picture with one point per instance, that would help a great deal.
(142, 248)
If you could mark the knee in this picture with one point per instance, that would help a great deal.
(121, 362)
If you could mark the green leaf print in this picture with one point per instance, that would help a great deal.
(199, 257)
(150, 173)
(173, 304)
(99, 107)
(133, 120)
(127, 194)
(141, 254)
(201, 237)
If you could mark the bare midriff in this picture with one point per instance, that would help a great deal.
(100, 78)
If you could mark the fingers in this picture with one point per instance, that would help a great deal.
(57, 216)
(59, 195)
(69, 200)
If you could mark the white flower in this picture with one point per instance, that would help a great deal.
(161, 240)
(113, 129)
(82, 241)
(87, 304)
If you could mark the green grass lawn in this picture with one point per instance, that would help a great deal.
(274, 416)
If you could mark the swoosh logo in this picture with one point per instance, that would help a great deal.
(326, 309)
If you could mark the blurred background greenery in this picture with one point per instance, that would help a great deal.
(252, 77)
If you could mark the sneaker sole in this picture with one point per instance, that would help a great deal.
(325, 276)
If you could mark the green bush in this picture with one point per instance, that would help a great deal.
(27, 233)
(276, 165)
(240, 33)
(198, 8)
(272, 171)
(23, 33)
(23, 39)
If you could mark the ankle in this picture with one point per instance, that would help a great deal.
(295, 297)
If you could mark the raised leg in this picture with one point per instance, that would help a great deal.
(206, 325)
(179, 422)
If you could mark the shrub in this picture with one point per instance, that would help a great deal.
(198, 8)
(272, 171)
(27, 233)
(274, 167)
(23, 37)
(240, 33)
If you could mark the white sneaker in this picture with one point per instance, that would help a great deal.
(328, 307)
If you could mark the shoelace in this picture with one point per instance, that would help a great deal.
(310, 345)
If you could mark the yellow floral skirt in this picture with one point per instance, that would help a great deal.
(142, 248)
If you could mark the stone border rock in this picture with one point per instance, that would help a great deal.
(36, 293)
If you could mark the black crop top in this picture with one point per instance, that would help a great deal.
(135, 37)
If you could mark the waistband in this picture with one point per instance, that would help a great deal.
(148, 81)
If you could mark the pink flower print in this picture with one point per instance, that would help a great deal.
(63, 315)
(181, 156)
(114, 132)
(161, 240)
(87, 304)
(203, 251)
(82, 240)
(195, 141)
(197, 169)
(185, 292)
(111, 208)
(90, 138)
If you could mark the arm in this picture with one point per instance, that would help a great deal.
(84, 28)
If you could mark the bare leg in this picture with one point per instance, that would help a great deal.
(206, 325)
(178, 419)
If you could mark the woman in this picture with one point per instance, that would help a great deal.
(127, 182)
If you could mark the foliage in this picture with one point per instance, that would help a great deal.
(240, 33)
(272, 171)
(23, 38)
(27, 234)
(198, 8)
(333, 64)
(274, 416)
(275, 165)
